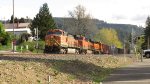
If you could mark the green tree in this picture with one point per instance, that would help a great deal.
(11, 19)
(2, 32)
(109, 37)
(4, 36)
(139, 42)
(147, 33)
(43, 21)
(15, 20)
(22, 20)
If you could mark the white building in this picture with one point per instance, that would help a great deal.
(19, 28)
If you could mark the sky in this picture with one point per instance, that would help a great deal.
(112, 11)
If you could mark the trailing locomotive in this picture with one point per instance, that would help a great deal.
(58, 41)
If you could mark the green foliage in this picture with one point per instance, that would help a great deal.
(1, 28)
(43, 21)
(123, 30)
(147, 33)
(4, 36)
(5, 47)
(139, 42)
(109, 37)
(16, 20)
(22, 20)
(11, 19)
(31, 46)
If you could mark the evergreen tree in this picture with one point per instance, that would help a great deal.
(43, 21)
(22, 20)
(11, 19)
(147, 33)
(15, 20)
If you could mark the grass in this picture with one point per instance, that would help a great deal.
(31, 47)
(5, 47)
(36, 71)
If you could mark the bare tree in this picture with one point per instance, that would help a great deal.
(81, 22)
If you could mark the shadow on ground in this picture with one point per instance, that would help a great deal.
(134, 74)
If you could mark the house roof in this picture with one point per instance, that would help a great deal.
(23, 25)
(17, 25)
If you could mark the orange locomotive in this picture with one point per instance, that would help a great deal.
(58, 41)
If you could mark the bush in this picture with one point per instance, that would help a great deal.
(5, 37)
(32, 46)
(41, 45)
(24, 37)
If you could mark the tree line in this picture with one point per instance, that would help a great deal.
(146, 36)
(81, 23)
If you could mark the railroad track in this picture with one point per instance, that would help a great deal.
(27, 56)
(41, 54)
(44, 56)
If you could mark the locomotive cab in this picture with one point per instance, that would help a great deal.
(56, 32)
(55, 40)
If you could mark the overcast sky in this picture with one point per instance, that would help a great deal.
(113, 11)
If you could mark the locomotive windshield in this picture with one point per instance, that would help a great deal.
(49, 33)
(54, 32)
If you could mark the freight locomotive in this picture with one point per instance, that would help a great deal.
(58, 41)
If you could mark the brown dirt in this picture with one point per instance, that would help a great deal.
(82, 71)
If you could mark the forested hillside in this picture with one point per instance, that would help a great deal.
(124, 30)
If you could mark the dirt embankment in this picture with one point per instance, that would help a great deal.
(87, 70)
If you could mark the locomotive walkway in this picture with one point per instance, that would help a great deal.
(137, 73)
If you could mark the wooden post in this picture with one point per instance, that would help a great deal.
(49, 79)
(21, 49)
(37, 46)
(124, 51)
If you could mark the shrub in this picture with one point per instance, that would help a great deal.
(32, 46)
(5, 38)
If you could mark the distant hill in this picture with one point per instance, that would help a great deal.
(124, 30)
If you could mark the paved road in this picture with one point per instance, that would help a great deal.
(137, 73)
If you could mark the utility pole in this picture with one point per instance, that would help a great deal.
(124, 50)
(37, 45)
(132, 41)
(5, 22)
(13, 27)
